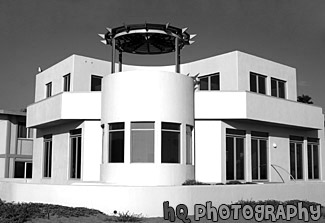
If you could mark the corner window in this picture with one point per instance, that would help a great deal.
(48, 90)
(142, 142)
(257, 83)
(259, 155)
(170, 142)
(75, 153)
(66, 82)
(210, 82)
(235, 140)
(296, 157)
(313, 158)
(189, 130)
(277, 88)
(47, 158)
(96, 83)
(116, 142)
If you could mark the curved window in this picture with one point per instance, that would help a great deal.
(142, 142)
(116, 142)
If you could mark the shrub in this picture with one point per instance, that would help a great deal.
(128, 217)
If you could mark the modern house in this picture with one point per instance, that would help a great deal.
(148, 126)
(115, 133)
(16, 145)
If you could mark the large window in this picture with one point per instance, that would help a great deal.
(235, 155)
(66, 82)
(296, 157)
(23, 169)
(116, 142)
(259, 155)
(189, 130)
(96, 83)
(75, 153)
(313, 158)
(170, 142)
(257, 83)
(47, 163)
(277, 88)
(142, 142)
(210, 82)
(48, 89)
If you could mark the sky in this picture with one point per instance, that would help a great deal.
(39, 33)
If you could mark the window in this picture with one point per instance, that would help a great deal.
(142, 142)
(48, 89)
(23, 169)
(296, 157)
(257, 83)
(116, 142)
(66, 82)
(47, 156)
(235, 140)
(96, 83)
(313, 158)
(210, 82)
(75, 153)
(170, 142)
(22, 130)
(189, 130)
(259, 155)
(277, 88)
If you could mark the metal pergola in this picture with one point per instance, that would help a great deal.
(146, 39)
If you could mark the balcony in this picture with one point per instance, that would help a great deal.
(253, 106)
(64, 106)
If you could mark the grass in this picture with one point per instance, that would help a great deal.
(44, 213)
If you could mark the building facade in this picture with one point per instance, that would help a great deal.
(232, 117)
(16, 145)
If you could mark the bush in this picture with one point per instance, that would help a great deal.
(128, 217)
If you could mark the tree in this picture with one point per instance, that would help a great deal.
(305, 99)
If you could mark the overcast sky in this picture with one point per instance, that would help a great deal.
(39, 33)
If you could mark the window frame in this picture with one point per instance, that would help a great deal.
(133, 136)
(67, 82)
(94, 87)
(313, 143)
(277, 88)
(259, 137)
(257, 82)
(171, 129)
(235, 134)
(26, 162)
(48, 90)
(209, 76)
(189, 146)
(47, 156)
(75, 134)
(296, 140)
(112, 131)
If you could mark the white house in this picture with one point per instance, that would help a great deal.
(149, 126)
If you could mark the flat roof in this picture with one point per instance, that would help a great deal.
(11, 112)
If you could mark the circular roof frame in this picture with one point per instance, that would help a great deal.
(146, 39)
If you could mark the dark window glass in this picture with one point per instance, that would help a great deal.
(142, 142)
(215, 82)
(29, 170)
(210, 82)
(22, 130)
(254, 158)
(170, 143)
(277, 88)
(66, 82)
(257, 83)
(204, 83)
(313, 162)
(48, 89)
(189, 130)
(75, 160)
(19, 169)
(116, 143)
(296, 160)
(259, 157)
(235, 165)
(96, 83)
(47, 156)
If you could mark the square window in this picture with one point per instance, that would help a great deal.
(210, 82)
(96, 83)
(257, 83)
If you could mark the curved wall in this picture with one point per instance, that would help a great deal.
(147, 96)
